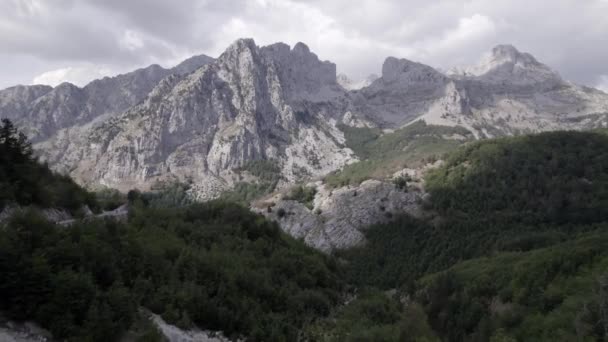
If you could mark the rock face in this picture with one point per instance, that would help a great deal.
(252, 103)
(22, 332)
(508, 93)
(405, 90)
(175, 334)
(204, 118)
(339, 216)
(43, 110)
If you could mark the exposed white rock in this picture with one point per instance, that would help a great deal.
(507, 93)
(23, 332)
(339, 216)
(42, 110)
(175, 334)
(203, 118)
(506, 64)
(251, 103)
(348, 84)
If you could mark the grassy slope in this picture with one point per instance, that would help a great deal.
(383, 154)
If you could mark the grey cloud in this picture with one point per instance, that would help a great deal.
(570, 36)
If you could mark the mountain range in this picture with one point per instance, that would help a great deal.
(417, 205)
(205, 120)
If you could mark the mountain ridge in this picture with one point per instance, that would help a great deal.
(280, 104)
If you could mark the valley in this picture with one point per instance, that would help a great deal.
(258, 196)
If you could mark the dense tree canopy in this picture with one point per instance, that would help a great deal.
(24, 181)
(516, 248)
(537, 205)
(214, 265)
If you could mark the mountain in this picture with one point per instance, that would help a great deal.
(510, 243)
(517, 245)
(206, 121)
(272, 103)
(404, 91)
(507, 93)
(43, 110)
(216, 266)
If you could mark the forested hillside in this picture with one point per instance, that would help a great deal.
(536, 207)
(23, 181)
(215, 265)
(513, 246)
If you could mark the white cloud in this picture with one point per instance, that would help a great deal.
(79, 75)
(469, 29)
(131, 40)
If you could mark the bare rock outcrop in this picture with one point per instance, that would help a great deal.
(339, 216)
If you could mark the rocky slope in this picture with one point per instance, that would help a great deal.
(204, 118)
(508, 93)
(43, 110)
(272, 103)
(338, 217)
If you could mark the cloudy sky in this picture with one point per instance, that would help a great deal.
(50, 41)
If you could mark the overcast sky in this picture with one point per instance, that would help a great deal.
(50, 41)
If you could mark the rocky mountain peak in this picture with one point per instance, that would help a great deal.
(191, 64)
(302, 74)
(206, 118)
(507, 51)
(240, 46)
(406, 71)
(505, 64)
(508, 54)
(301, 48)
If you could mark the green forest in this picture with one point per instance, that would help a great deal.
(517, 249)
(214, 265)
(513, 247)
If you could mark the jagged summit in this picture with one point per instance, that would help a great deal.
(404, 70)
(301, 48)
(252, 103)
(506, 64)
(281, 104)
(508, 51)
(191, 64)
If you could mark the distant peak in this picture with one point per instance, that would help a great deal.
(66, 85)
(505, 50)
(189, 65)
(243, 43)
(394, 68)
(301, 48)
(508, 53)
(505, 63)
